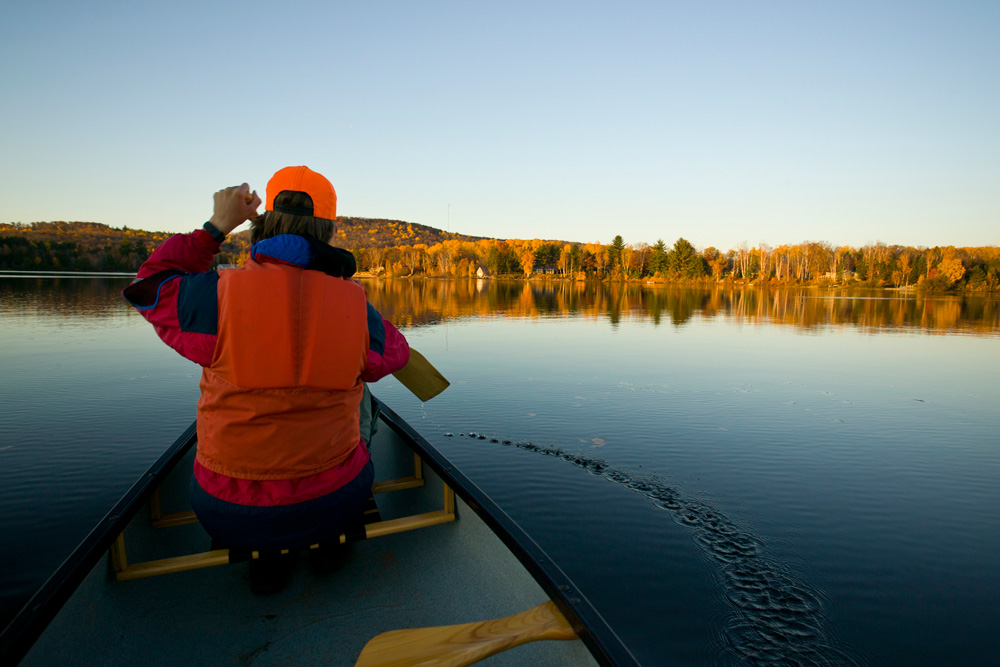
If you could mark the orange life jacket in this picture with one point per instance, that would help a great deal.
(282, 395)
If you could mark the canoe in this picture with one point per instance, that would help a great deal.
(440, 575)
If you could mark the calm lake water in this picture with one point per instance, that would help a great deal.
(732, 476)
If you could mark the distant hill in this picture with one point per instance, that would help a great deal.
(74, 246)
(351, 232)
(381, 233)
(93, 246)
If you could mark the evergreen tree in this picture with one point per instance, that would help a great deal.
(615, 252)
(685, 261)
(658, 257)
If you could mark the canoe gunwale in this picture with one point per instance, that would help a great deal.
(29, 623)
(599, 637)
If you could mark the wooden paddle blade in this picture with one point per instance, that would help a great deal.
(421, 378)
(457, 645)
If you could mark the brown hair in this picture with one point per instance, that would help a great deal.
(301, 223)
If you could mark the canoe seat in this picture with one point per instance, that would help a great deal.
(374, 526)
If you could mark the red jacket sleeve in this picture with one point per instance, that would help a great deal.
(175, 291)
(190, 253)
(388, 350)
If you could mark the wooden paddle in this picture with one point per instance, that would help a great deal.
(421, 378)
(457, 645)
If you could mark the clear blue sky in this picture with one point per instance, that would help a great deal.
(722, 122)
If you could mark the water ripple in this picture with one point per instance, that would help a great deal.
(775, 619)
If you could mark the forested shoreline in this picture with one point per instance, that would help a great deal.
(88, 246)
(397, 249)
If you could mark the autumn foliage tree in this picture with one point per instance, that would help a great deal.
(398, 249)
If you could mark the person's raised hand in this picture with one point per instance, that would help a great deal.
(233, 207)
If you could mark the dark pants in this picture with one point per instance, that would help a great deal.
(284, 526)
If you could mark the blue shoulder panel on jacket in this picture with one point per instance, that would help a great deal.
(198, 303)
(287, 248)
(376, 331)
(145, 294)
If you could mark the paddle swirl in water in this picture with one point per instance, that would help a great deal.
(776, 620)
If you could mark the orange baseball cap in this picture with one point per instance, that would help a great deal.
(303, 179)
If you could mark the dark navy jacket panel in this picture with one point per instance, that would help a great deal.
(376, 331)
(198, 303)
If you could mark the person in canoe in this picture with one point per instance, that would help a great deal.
(286, 343)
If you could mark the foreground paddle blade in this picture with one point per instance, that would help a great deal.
(457, 645)
(421, 378)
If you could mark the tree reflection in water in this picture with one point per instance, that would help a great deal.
(415, 302)
(427, 301)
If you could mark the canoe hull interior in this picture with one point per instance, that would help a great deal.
(446, 574)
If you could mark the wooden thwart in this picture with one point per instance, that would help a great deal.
(125, 571)
(153, 568)
(403, 524)
(411, 482)
(161, 520)
(174, 518)
(457, 645)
